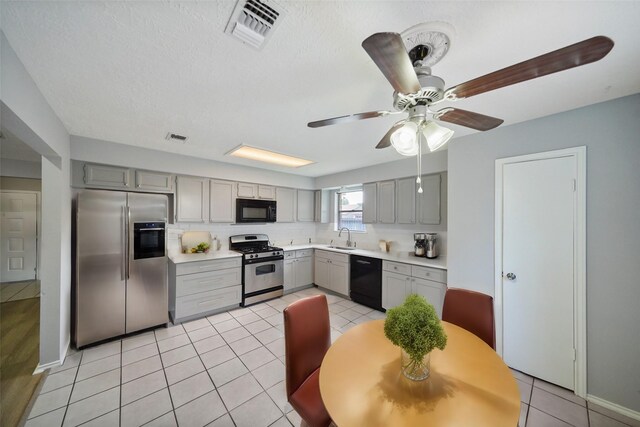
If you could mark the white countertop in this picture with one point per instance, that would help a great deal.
(181, 258)
(406, 257)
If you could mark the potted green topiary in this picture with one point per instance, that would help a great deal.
(414, 327)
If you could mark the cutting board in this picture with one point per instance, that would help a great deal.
(191, 239)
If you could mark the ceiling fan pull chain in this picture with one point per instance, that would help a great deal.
(418, 179)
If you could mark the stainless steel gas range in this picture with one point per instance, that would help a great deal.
(263, 267)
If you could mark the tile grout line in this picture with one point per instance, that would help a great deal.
(66, 409)
(173, 408)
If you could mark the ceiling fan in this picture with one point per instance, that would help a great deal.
(416, 89)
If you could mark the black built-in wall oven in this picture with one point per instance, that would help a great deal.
(251, 210)
(148, 240)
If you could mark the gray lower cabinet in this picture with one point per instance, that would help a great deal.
(332, 271)
(201, 287)
(154, 181)
(107, 176)
(298, 269)
(400, 279)
(192, 197)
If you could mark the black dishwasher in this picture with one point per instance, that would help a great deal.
(366, 281)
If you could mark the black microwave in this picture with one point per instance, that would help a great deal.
(250, 210)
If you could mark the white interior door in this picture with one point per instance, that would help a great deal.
(18, 236)
(538, 268)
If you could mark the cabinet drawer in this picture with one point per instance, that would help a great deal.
(335, 256)
(289, 254)
(322, 254)
(202, 282)
(207, 301)
(304, 253)
(396, 267)
(210, 265)
(434, 274)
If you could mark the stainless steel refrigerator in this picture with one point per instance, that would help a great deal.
(121, 264)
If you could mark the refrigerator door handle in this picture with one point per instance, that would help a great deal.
(123, 272)
(129, 235)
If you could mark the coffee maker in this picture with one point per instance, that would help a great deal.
(420, 247)
(431, 250)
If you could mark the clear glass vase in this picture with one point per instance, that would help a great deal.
(416, 370)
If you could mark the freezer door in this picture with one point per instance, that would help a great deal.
(147, 287)
(100, 266)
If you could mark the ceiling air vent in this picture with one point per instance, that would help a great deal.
(174, 137)
(253, 21)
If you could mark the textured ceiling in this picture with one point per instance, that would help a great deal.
(129, 72)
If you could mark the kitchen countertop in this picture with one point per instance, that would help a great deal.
(406, 257)
(182, 258)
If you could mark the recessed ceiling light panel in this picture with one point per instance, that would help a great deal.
(260, 155)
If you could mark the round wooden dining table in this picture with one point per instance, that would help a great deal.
(362, 385)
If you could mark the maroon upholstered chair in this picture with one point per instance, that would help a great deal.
(472, 311)
(307, 338)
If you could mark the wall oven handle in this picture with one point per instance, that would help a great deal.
(142, 230)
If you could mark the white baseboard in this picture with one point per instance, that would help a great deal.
(614, 407)
(43, 367)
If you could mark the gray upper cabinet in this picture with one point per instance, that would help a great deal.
(429, 200)
(370, 203)
(406, 201)
(154, 181)
(256, 191)
(266, 192)
(387, 202)
(322, 206)
(306, 200)
(221, 206)
(107, 176)
(285, 204)
(192, 199)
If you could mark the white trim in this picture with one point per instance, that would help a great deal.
(41, 368)
(614, 407)
(579, 257)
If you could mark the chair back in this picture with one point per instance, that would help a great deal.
(472, 311)
(307, 338)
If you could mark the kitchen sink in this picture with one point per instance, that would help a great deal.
(342, 248)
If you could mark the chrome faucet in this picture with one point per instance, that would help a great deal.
(348, 237)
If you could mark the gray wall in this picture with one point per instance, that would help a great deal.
(28, 116)
(611, 132)
(20, 184)
(20, 168)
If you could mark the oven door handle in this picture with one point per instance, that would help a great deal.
(150, 229)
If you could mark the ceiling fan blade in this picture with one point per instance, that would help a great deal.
(468, 119)
(584, 52)
(349, 118)
(386, 139)
(390, 55)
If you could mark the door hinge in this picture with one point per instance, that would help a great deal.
(574, 354)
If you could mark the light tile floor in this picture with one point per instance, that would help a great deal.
(14, 291)
(228, 370)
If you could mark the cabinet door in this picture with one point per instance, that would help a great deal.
(153, 181)
(289, 274)
(433, 292)
(395, 288)
(106, 176)
(285, 204)
(266, 192)
(322, 206)
(191, 199)
(369, 203)
(247, 191)
(339, 277)
(406, 201)
(387, 202)
(221, 201)
(306, 210)
(429, 200)
(321, 275)
(303, 271)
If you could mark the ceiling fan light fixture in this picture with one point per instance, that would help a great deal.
(436, 135)
(404, 139)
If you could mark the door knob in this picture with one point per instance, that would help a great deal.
(511, 276)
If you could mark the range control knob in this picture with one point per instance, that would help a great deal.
(275, 253)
